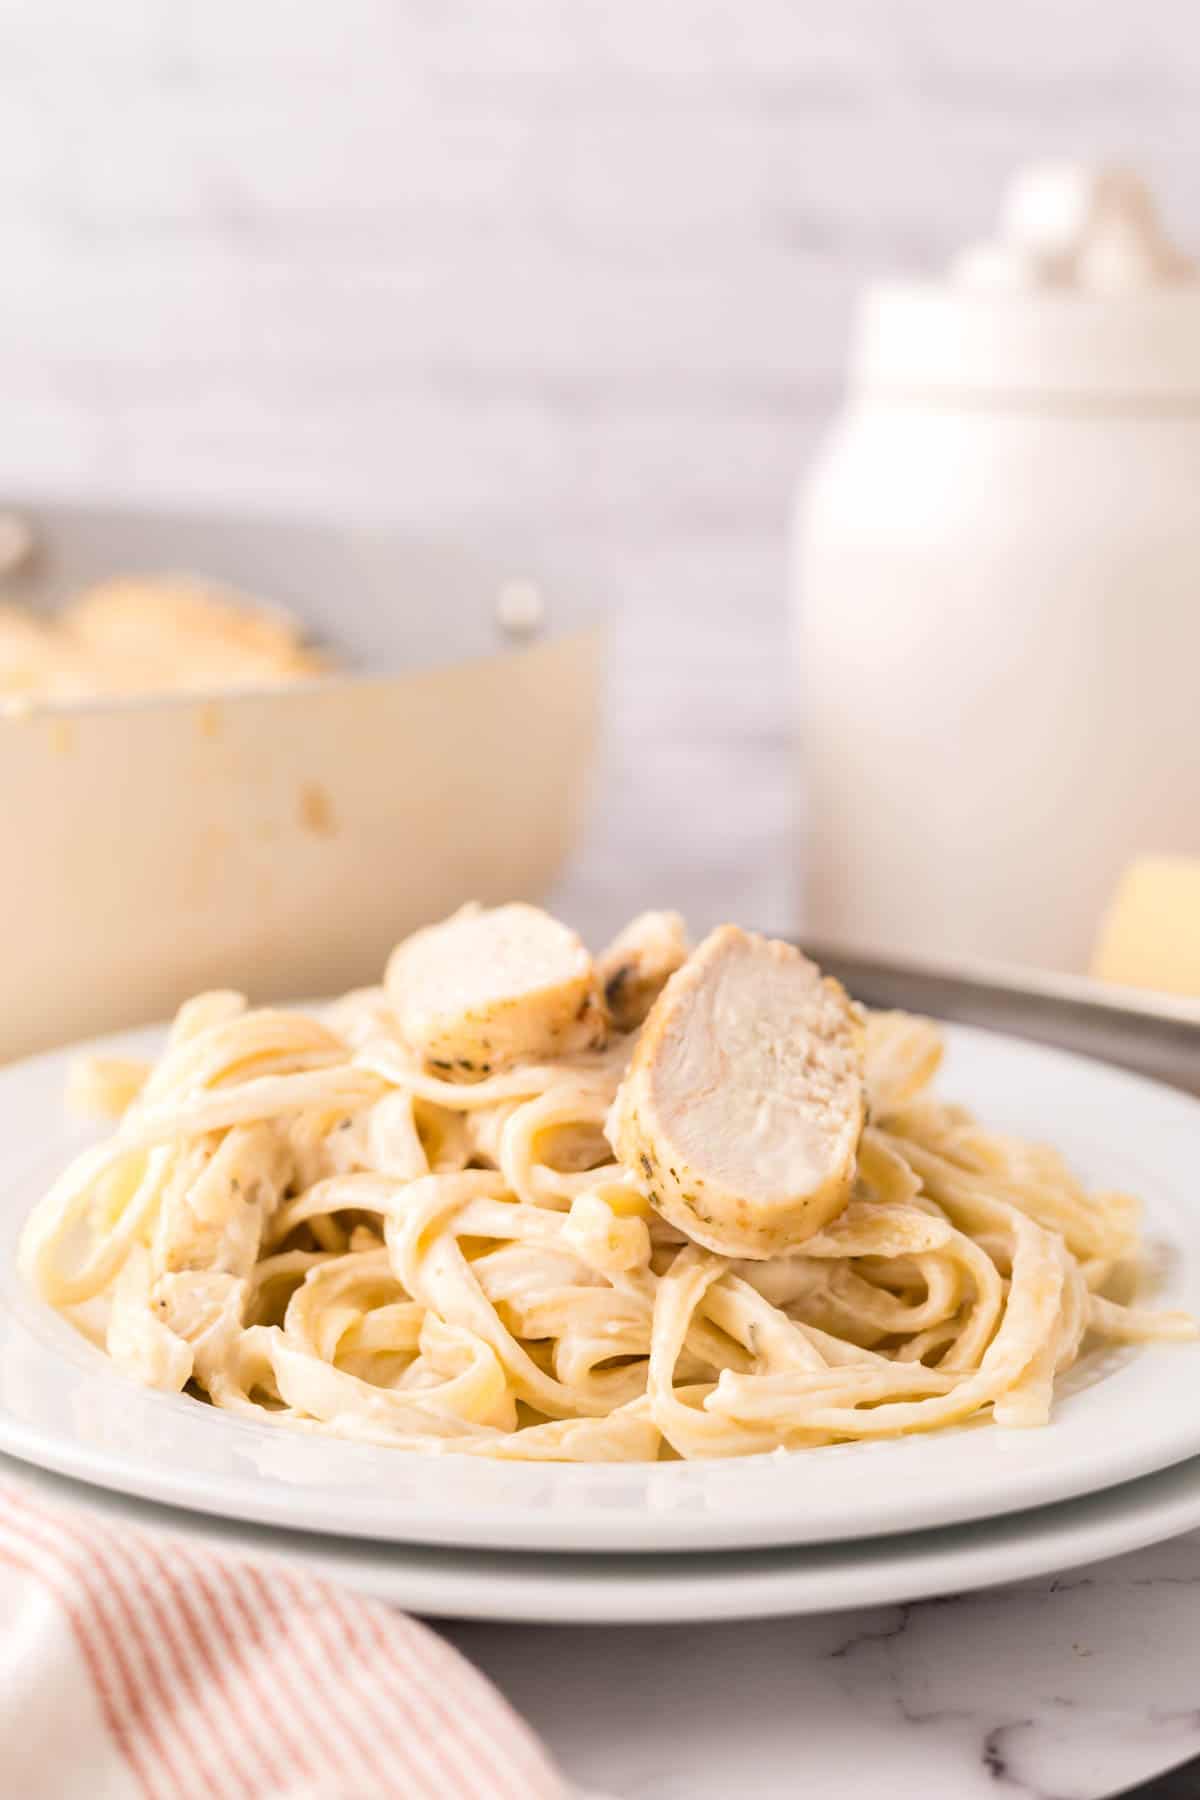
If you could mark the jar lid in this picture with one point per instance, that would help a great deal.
(1080, 294)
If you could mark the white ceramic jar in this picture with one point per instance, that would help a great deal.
(998, 583)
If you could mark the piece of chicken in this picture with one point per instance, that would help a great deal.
(634, 969)
(172, 631)
(742, 1108)
(487, 989)
(35, 661)
(178, 1306)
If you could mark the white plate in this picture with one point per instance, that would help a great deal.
(1120, 1415)
(664, 1589)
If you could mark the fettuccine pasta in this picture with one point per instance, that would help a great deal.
(301, 1219)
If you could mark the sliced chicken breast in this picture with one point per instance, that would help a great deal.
(170, 631)
(634, 969)
(488, 989)
(742, 1108)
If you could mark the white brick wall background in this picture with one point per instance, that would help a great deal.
(580, 269)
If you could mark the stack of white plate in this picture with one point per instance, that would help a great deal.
(820, 1530)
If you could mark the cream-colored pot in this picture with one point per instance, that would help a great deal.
(281, 841)
(998, 582)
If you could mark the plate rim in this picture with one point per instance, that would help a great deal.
(664, 1589)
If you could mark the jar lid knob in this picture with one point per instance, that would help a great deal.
(1094, 228)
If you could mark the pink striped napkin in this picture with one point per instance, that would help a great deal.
(134, 1665)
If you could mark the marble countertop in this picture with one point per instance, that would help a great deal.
(1058, 1689)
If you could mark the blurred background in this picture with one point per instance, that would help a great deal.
(581, 270)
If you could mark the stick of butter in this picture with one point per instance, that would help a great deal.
(1150, 935)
